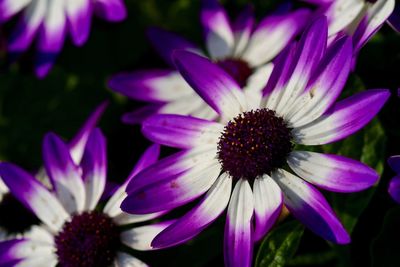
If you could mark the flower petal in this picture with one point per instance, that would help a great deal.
(174, 191)
(79, 14)
(140, 238)
(78, 143)
(394, 188)
(310, 207)
(238, 240)
(151, 85)
(242, 28)
(51, 37)
(273, 34)
(212, 83)
(9, 8)
(332, 172)
(64, 173)
(181, 131)
(196, 220)
(94, 169)
(140, 114)
(34, 196)
(126, 260)
(268, 202)
(166, 42)
(376, 15)
(326, 84)
(394, 163)
(217, 29)
(343, 119)
(111, 10)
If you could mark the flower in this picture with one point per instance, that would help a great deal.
(75, 232)
(50, 22)
(394, 185)
(250, 147)
(10, 226)
(241, 48)
(359, 18)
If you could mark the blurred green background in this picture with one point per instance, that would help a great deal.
(61, 102)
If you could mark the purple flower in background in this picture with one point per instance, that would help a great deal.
(250, 147)
(74, 231)
(359, 18)
(51, 21)
(394, 186)
(242, 48)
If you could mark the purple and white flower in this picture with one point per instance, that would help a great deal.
(51, 21)
(359, 18)
(248, 148)
(74, 231)
(242, 48)
(394, 185)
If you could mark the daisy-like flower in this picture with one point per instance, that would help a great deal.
(394, 185)
(359, 18)
(8, 202)
(248, 149)
(75, 232)
(241, 48)
(50, 21)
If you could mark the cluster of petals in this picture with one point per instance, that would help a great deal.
(50, 21)
(254, 44)
(303, 90)
(77, 175)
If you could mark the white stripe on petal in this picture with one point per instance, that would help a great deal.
(125, 260)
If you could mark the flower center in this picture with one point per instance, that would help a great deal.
(254, 143)
(237, 68)
(12, 211)
(90, 239)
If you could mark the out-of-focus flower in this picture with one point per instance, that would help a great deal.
(50, 21)
(249, 148)
(242, 48)
(394, 186)
(74, 230)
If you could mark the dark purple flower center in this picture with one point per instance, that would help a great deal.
(90, 239)
(237, 68)
(12, 211)
(254, 143)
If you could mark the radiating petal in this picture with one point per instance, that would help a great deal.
(196, 220)
(181, 131)
(273, 34)
(217, 29)
(34, 196)
(140, 238)
(310, 49)
(166, 42)
(394, 188)
(325, 85)
(343, 119)
(78, 143)
(376, 15)
(151, 85)
(212, 83)
(171, 166)
(126, 260)
(51, 37)
(174, 191)
(111, 10)
(26, 28)
(242, 29)
(268, 202)
(94, 168)
(9, 8)
(64, 173)
(310, 207)
(332, 172)
(342, 13)
(140, 114)
(79, 14)
(238, 240)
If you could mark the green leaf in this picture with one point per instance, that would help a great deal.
(385, 249)
(280, 245)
